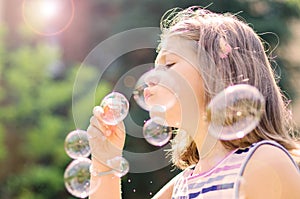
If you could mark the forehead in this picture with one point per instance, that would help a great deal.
(178, 47)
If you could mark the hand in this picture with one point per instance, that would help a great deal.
(106, 141)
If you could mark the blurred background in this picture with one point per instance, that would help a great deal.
(41, 50)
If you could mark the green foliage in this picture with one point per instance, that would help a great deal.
(30, 103)
(36, 182)
(295, 3)
(35, 110)
(3, 152)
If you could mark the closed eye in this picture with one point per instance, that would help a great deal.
(164, 66)
(169, 65)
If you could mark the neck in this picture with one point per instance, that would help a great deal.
(211, 152)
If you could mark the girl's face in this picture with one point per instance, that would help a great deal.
(188, 109)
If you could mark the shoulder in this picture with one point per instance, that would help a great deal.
(270, 173)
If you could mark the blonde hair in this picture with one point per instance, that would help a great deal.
(230, 50)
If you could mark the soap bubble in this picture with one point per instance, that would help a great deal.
(138, 93)
(77, 144)
(152, 85)
(160, 112)
(235, 112)
(119, 165)
(115, 108)
(77, 178)
(156, 133)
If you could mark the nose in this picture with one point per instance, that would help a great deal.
(152, 79)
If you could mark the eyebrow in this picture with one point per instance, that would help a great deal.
(163, 55)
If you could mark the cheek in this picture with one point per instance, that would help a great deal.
(196, 86)
(162, 96)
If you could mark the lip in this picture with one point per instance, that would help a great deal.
(147, 93)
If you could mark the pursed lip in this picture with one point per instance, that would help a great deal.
(147, 93)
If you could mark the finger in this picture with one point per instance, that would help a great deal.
(106, 131)
(95, 122)
(98, 111)
(93, 132)
(120, 130)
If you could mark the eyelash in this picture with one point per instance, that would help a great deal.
(169, 65)
(164, 66)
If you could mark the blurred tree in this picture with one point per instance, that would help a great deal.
(35, 114)
(3, 151)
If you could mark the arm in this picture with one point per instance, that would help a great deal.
(110, 185)
(106, 142)
(270, 174)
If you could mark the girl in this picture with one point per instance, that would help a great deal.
(209, 52)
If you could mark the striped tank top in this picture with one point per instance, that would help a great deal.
(223, 180)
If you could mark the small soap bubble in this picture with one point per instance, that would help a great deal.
(156, 133)
(165, 84)
(115, 108)
(138, 93)
(120, 166)
(77, 144)
(235, 112)
(77, 178)
(158, 111)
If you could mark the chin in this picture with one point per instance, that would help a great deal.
(171, 116)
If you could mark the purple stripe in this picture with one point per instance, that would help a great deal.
(218, 164)
(225, 168)
(212, 188)
(196, 184)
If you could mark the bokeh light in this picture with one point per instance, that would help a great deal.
(48, 17)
